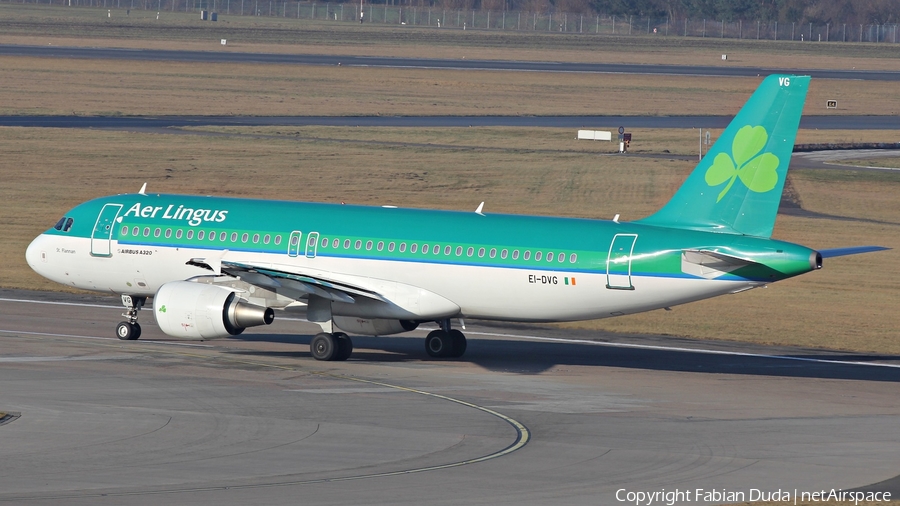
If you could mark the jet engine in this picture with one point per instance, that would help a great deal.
(201, 311)
(375, 326)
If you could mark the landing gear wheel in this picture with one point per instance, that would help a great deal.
(438, 344)
(128, 331)
(459, 343)
(323, 346)
(344, 346)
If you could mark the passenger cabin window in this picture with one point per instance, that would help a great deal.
(493, 252)
(277, 240)
(562, 257)
(200, 235)
(190, 235)
(391, 247)
(179, 233)
(470, 251)
(135, 231)
(346, 243)
(572, 258)
(224, 235)
(526, 255)
(368, 245)
(515, 254)
(335, 243)
(550, 256)
(480, 252)
(324, 243)
(380, 245)
(168, 233)
(424, 249)
(146, 231)
(402, 247)
(537, 256)
(255, 238)
(503, 254)
(459, 251)
(157, 232)
(244, 237)
(357, 244)
(413, 247)
(266, 239)
(212, 235)
(124, 230)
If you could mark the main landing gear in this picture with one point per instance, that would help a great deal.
(445, 342)
(328, 346)
(130, 330)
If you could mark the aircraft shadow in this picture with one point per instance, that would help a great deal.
(531, 357)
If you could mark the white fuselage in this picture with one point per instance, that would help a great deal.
(511, 294)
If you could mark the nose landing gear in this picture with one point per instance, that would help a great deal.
(130, 330)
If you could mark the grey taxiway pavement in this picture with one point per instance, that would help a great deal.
(227, 56)
(531, 415)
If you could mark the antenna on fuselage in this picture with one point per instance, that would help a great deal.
(143, 189)
(480, 207)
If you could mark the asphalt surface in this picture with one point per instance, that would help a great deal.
(227, 56)
(531, 415)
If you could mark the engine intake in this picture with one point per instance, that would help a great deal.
(200, 311)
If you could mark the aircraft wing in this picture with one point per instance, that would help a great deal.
(274, 278)
(371, 297)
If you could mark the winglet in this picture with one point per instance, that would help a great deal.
(480, 207)
(143, 189)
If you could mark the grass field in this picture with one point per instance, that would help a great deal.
(46, 86)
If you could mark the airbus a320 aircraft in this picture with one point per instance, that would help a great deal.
(215, 266)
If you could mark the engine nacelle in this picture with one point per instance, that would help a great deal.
(201, 311)
(373, 327)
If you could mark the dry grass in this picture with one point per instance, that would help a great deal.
(42, 25)
(49, 86)
(848, 305)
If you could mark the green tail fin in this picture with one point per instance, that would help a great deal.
(737, 187)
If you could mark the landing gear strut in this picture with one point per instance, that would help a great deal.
(328, 346)
(445, 342)
(130, 330)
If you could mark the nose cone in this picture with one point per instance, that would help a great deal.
(36, 254)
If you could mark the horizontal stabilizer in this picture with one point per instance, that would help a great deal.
(854, 250)
(710, 264)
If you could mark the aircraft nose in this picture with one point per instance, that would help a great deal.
(36, 253)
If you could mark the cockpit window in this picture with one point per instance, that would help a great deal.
(60, 223)
(68, 224)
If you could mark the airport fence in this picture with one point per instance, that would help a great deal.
(436, 17)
